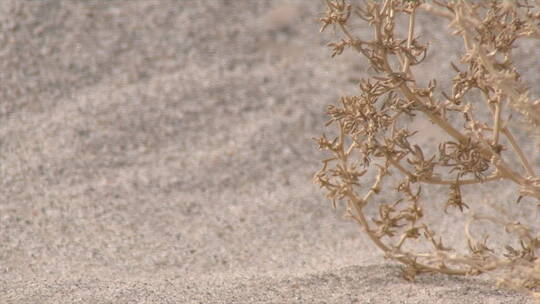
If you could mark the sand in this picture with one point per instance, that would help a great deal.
(159, 151)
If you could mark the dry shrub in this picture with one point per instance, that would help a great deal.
(380, 169)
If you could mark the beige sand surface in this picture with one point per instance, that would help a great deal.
(159, 151)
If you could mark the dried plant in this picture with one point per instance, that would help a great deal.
(373, 140)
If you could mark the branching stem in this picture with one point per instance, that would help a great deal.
(372, 126)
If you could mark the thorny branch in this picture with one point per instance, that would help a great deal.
(372, 132)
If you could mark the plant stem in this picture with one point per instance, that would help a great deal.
(406, 65)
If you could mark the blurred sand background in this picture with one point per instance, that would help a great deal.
(159, 151)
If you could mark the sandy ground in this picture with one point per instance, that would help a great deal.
(161, 152)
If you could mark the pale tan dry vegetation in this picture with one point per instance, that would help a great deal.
(376, 156)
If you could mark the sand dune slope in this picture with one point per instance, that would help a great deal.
(161, 152)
